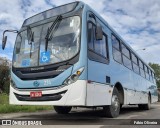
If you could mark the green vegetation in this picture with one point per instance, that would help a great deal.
(156, 68)
(4, 78)
(6, 108)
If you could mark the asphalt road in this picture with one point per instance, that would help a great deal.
(90, 118)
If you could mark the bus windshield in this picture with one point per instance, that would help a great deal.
(62, 45)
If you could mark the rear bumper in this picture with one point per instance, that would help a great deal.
(70, 95)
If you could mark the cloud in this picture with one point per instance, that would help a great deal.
(137, 22)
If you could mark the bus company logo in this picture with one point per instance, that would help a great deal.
(36, 83)
(34, 69)
(60, 70)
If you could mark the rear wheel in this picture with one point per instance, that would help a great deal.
(113, 109)
(145, 106)
(62, 109)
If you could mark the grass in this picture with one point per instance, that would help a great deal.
(5, 107)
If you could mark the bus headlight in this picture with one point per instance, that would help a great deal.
(74, 77)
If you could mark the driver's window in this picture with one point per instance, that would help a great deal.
(98, 46)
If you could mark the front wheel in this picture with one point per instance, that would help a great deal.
(113, 109)
(62, 109)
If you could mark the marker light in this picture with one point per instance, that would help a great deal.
(78, 72)
(74, 77)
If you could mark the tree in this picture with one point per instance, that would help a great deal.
(156, 68)
(4, 77)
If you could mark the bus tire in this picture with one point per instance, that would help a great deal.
(145, 106)
(62, 109)
(113, 110)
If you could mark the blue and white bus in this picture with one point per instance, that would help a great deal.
(69, 56)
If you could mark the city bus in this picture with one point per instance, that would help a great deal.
(69, 56)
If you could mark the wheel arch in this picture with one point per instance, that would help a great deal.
(120, 89)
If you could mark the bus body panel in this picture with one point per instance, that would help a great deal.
(98, 94)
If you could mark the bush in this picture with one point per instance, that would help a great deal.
(4, 78)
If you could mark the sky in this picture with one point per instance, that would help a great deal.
(136, 21)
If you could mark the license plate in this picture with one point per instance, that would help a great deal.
(35, 94)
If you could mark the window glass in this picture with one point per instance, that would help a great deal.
(150, 75)
(154, 78)
(135, 68)
(145, 68)
(117, 55)
(134, 59)
(50, 13)
(147, 76)
(100, 46)
(141, 64)
(125, 51)
(142, 72)
(115, 42)
(63, 44)
(127, 62)
(149, 72)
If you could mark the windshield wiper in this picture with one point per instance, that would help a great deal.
(30, 36)
(50, 30)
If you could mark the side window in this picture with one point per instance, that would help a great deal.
(154, 78)
(98, 49)
(150, 75)
(135, 63)
(141, 64)
(115, 43)
(134, 59)
(125, 51)
(146, 72)
(126, 57)
(116, 49)
(142, 73)
(100, 46)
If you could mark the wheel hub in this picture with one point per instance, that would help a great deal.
(115, 102)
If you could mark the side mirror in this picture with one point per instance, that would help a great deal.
(99, 32)
(4, 40)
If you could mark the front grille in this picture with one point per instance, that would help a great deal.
(51, 71)
(45, 97)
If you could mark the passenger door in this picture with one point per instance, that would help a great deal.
(98, 70)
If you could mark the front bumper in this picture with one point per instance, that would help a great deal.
(70, 95)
